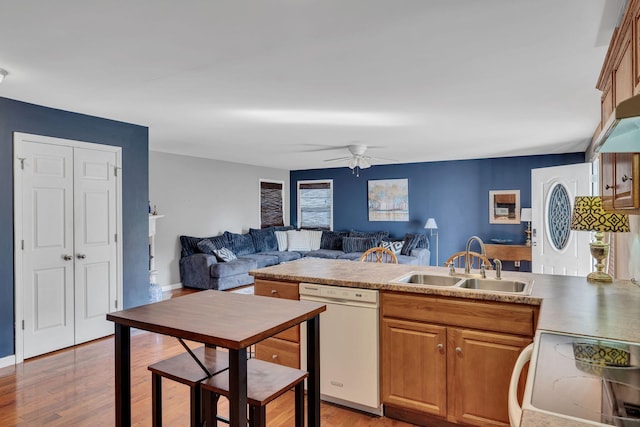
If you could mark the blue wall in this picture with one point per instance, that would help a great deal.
(16, 116)
(455, 193)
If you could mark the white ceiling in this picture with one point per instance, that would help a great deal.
(277, 82)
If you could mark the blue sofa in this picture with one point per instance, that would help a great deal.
(202, 267)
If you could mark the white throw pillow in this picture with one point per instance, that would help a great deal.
(315, 237)
(281, 237)
(298, 240)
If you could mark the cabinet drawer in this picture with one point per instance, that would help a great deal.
(273, 288)
(279, 351)
(490, 316)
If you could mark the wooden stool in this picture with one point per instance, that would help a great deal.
(185, 370)
(265, 382)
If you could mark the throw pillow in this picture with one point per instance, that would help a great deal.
(315, 236)
(298, 240)
(358, 244)
(394, 247)
(412, 241)
(206, 246)
(332, 240)
(281, 237)
(378, 235)
(224, 254)
(189, 245)
(264, 240)
(240, 244)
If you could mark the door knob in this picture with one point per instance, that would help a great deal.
(81, 256)
(67, 257)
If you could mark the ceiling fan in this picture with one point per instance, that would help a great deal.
(358, 160)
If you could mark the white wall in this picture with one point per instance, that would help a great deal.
(203, 197)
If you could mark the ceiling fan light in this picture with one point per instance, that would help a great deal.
(353, 163)
(364, 163)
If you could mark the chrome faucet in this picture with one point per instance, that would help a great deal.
(467, 264)
(498, 264)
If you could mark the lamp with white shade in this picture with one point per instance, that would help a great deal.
(431, 225)
(525, 216)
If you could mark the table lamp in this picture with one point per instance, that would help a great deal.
(431, 225)
(525, 216)
(588, 215)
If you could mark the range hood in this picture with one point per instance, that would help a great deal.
(621, 133)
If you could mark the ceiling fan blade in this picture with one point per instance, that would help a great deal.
(337, 159)
(381, 158)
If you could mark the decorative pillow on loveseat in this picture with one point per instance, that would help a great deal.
(240, 244)
(395, 247)
(332, 240)
(358, 244)
(264, 240)
(413, 241)
(298, 240)
(224, 254)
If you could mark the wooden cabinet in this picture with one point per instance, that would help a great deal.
(619, 181)
(283, 348)
(450, 358)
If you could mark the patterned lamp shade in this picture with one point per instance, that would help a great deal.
(588, 215)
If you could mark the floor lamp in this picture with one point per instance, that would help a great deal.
(431, 225)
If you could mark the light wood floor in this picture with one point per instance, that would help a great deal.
(75, 387)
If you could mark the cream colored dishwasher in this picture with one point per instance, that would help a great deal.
(349, 345)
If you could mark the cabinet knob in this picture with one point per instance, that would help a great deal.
(608, 187)
(67, 257)
(274, 357)
(81, 256)
(626, 178)
(273, 291)
(440, 347)
(458, 350)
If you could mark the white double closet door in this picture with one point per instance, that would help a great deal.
(69, 272)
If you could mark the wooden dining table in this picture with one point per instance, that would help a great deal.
(223, 319)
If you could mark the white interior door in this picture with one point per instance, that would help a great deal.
(556, 248)
(95, 248)
(48, 248)
(68, 274)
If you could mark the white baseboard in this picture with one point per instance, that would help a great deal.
(167, 288)
(8, 361)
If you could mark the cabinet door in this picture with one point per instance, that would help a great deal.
(607, 183)
(480, 365)
(623, 77)
(414, 366)
(625, 195)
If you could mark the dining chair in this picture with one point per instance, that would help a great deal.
(476, 259)
(380, 255)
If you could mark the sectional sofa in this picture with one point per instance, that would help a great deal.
(223, 262)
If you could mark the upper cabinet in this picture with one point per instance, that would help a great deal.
(620, 80)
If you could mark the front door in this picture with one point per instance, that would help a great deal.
(557, 249)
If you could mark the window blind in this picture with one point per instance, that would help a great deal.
(271, 197)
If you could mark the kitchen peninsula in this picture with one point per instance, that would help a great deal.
(556, 303)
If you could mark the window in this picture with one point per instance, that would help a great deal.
(315, 204)
(271, 203)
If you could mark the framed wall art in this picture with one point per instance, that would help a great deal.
(504, 207)
(388, 200)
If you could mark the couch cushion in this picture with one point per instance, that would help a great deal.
(284, 256)
(264, 240)
(378, 235)
(407, 259)
(353, 256)
(324, 253)
(261, 260)
(332, 240)
(240, 244)
(394, 247)
(298, 240)
(232, 268)
(358, 244)
(206, 246)
(224, 254)
(412, 241)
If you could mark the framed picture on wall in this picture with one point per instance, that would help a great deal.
(388, 200)
(504, 207)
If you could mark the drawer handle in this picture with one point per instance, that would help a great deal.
(626, 178)
(458, 350)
